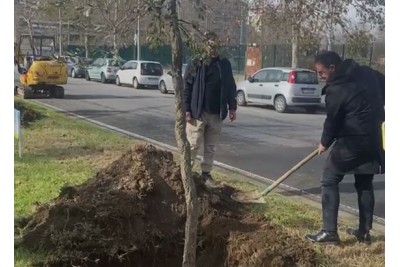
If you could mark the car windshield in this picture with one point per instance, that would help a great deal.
(306, 77)
(116, 63)
(151, 69)
(74, 60)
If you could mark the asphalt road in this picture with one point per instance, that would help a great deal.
(260, 141)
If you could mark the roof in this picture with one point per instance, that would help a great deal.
(144, 61)
(287, 69)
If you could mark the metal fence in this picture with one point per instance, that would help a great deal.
(274, 55)
(280, 55)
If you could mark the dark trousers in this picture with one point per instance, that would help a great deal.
(330, 200)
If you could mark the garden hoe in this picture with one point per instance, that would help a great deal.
(255, 197)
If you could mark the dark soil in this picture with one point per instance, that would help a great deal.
(132, 213)
(27, 115)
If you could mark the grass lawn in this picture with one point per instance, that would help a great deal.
(58, 149)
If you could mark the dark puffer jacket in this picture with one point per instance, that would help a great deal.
(194, 87)
(355, 100)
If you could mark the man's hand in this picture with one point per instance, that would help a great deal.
(188, 116)
(232, 115)
(321, 149)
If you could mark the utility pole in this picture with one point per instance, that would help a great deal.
(206, 18)
(138, 39)
(138, 35)
(60, 28)
(59, 4)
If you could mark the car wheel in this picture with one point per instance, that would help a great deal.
(73, 74)
(103, 78)
(87, 76)
(280, 104)
(241, 98)
(117, 82)
(163, 87)
(135, 83)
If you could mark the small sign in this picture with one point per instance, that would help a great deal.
(17, 130)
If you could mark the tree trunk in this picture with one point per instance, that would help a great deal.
(86, 43)
(330, 26)
(189, 253)
(115, 45)
(295, 47)
(329, 37)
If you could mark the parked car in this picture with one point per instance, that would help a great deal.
(165, 83)
(76, 66)
(282, 88)
(103, 69)
(139, 74)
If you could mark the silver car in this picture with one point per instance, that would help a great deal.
(281, 88)
(103, 69)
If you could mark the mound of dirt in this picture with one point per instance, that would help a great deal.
(132, 213)
(27, 115)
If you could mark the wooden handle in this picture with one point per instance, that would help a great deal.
(289, 172)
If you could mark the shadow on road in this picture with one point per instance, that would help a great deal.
(291, 110)
(76, 97)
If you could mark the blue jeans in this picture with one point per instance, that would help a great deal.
(331, 198)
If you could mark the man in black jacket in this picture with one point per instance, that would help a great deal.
(209, 92)
(355, 100)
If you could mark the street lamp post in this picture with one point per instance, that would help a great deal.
(138, 38)
(60, 27)
(59, 4)
(138, 33)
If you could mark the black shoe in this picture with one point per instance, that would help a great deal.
(325, 237)
(209, 181)
(361, 237)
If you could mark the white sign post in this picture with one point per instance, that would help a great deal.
(17, 130)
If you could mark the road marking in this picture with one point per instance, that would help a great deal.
(253, 176)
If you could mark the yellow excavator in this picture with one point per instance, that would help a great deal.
(40, 72)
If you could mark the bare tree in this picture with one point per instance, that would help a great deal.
(30, 11)
(168, 25)
(315, 16)
(117, 16)
(82, 18)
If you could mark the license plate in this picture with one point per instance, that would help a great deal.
(308, 91)
(153, 79)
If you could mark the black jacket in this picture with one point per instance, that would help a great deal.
(355, 100)
(194, 87)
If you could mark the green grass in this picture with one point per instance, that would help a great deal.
(59, 150)
(56, 151)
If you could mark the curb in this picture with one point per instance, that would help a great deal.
(251, 176)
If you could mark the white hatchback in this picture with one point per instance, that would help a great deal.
(139, 74)
(165, 83)
(281, 88)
